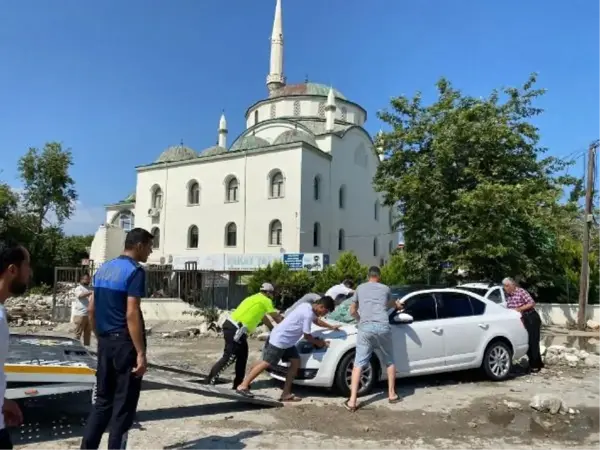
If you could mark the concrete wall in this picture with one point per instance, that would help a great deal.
(562, 314)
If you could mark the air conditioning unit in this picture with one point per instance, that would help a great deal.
(154, 212)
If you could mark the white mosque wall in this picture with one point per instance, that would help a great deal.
(252, 213)
(108, 243)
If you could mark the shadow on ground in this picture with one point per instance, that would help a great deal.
(218, 442)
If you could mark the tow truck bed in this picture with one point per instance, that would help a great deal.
(47, 365)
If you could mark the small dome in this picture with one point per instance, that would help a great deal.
(295, 136)
(212, 151)
(177, 153)
(306, 89)
(250, 142)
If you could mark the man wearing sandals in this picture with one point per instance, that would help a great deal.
(370, 306)
(282, 345)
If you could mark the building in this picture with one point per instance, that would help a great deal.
(298, 179)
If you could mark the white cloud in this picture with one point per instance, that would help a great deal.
(85, 219)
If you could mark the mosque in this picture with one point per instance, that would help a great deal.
(297, 180)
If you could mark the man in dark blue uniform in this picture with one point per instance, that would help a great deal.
(117, 320)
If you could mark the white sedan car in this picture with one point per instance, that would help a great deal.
(440, 330)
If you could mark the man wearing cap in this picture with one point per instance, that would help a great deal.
(246, 317)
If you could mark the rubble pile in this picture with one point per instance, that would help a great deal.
(570, 356)
(36, 309)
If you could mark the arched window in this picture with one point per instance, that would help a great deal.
(296, 108)
(157, 198)
(316, 235)
(276, 188)
(391, 247)
(255, 117)
(194, 193)
(344, 113)
(231, 235)
(231, 194)
(273, 111)
(193, 237)
(125, 220)
(156, 235)
(342, 197)
(341, 240)
(376, 210)
(317, 188)
(275, 233)
(375, 249)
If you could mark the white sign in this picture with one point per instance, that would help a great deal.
(313, 262)
(226, 262)
(249, 261)
(207, 262)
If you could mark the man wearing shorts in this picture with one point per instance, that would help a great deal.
(370, 306)
(282, 345)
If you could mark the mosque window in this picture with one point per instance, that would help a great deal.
(156, 237)
(193, 237)
(316, 234)
(296, 108)
(276, 188)
(194, 193)
(344, 113)
(231, 235)
(375, 247)
(275, 233)
(317, 188)
(341, 240)
(232, 188)
(342, 197)
(273, 110)
(255, 117)
(322, 110)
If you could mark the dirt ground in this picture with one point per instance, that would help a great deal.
(449, 411)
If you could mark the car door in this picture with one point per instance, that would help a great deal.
(464, 330)
(418, 346)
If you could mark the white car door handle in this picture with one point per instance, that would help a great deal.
(484, 326)
(436, 330)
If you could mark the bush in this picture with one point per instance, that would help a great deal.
(347, 266)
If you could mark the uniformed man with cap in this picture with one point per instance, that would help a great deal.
(244, 320)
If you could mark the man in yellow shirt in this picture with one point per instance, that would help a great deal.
(244, 320)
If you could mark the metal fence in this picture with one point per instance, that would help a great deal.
(223, 290)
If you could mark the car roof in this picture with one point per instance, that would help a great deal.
(456, 289)
(478, 285)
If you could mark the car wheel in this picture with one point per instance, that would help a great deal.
(343, 376)
(497, 360)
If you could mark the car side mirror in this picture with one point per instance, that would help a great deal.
(403, 318)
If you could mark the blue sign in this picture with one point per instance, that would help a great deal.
(313, 262)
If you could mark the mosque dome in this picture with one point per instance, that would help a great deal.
(249, 142)
(306, 89)
(295, 136)
(177, 153)
(212, 151)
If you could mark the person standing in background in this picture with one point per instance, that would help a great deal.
(15, 273)
(80, 310)
(116, 317)
(519, 300)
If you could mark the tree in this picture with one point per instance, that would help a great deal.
(48, 187)
(473, 188)
(346, 266)
(395, 271)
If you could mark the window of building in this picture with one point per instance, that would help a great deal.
(322, 110)
(375, 245)
(255, 117)
(276, 189)
(126, 220)
(157, 198)
(344, 113)
(341, 240)
(232, 190)
(156, 234)
(273, 111)
(316, 235)
(194, 193)
(231, 235)
(296, 108)
(275, 233)
(390, 247)
(342, 197)
(193, 237)
(317, 188)
(376, 210)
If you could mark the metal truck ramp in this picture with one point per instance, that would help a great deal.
(197, 386)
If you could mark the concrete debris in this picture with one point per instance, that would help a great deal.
(593, 325)
(512, 405)
(571, 356)
(549, 403)
(592, 361)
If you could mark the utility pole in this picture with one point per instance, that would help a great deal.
(584, 279)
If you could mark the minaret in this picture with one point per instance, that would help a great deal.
(222, 132)
(275, 79)
(330, 111)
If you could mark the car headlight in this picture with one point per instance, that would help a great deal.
(305, 347)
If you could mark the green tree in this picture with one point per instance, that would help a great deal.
(395, 271)
(472, 185)
(48, 186)
(346, 266)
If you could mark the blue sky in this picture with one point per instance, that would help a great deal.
(118, 81)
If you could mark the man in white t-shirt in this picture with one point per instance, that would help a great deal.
(344, 289)
(282, 345)
(81, 304)
(15, 272)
